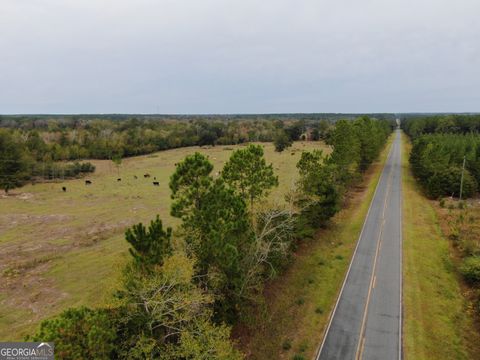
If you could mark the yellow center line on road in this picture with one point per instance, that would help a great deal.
(364, 319)
(361, 343)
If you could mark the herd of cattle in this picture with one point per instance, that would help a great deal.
(146, 176)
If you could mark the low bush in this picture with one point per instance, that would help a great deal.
(470, 269)
(287, 345)
(298, 357)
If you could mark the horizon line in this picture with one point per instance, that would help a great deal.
(244, 114)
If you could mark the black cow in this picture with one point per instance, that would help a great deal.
(146, 175)
(119, 179)
(88, 182)
(64, 189)
(156, 183)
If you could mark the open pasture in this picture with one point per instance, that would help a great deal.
(66, 248)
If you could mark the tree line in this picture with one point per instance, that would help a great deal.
(183, 289)
(84, 138)
(441, 146)
(39, 149)
(18, 165)
(416, 126)
(324, 179)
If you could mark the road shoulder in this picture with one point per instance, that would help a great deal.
(435, 325)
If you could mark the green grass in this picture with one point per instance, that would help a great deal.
(299, 302)
(436, 323)
(76, 238)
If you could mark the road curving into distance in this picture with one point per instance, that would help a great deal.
(366, 321)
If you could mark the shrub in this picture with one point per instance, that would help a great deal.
(287, 345)
(470, 269)
(303, 346)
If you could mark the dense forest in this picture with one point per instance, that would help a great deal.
(441, 146)
(43, 147)
(183, 289)
(416, 126)
(104, 137)
(18, 164)
(72, 139)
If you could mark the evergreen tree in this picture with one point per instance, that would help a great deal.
(188, 183)
(370, 138)
(437, 161)
(219, 234)
(149, 247)
(80, 333)
(248, 173)
(346, 150)
(319, 197)
(13, 162)
(281, 141)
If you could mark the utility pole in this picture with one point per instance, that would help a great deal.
(461, 180)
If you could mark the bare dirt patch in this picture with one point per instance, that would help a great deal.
(23, 265)
(21, 196)
(31, 292)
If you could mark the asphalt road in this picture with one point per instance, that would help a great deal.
(366, 321)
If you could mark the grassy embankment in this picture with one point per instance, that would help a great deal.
(436, 322)
(66, 249)
(299, 302)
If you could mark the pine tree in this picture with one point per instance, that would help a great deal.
(189, 181)
(281, 141)
(13, 162)
(149, 247)
(248, 173)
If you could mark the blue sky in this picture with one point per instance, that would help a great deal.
(229, 56)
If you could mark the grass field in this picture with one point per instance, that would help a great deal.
(437, 324)
(299, 302)
(66, 249)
